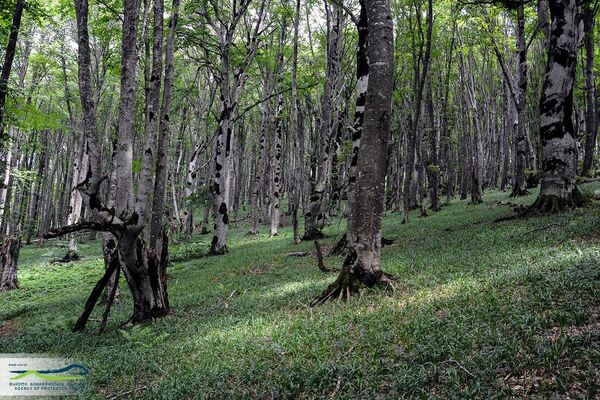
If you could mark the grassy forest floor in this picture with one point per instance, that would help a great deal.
(482, 310)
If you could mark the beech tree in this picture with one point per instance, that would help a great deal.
(362, 266)
(559, 163)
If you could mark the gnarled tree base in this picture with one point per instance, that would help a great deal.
(548, 204)
(348, 284)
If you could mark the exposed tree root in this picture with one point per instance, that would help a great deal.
(340, 246)
(519, 193)
(297, 254)
(71, 256)
(548, 205)
(320, 259)
(348, 284)
(314, 235)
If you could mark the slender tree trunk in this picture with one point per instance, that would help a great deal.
(314, 216)
(362, 83)
(591, 127)
(158, 209)
(411, 141)
(432, 167)
(298, 136)
(519, 183)
(9, 56)
(276, 168)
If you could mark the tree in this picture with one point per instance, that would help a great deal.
(9, 56)
(146, 278)
(362, 266)
(559, 191)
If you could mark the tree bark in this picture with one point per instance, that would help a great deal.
(314, 216)
(298, 137)
(558, 190)
(158, 208)
(9, 257)
(9, 56)
(591, 127)
(362, 266)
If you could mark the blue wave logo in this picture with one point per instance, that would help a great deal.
(72, 372)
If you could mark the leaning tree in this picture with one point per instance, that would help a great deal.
(144, 270)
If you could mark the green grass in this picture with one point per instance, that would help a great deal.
(482, 310)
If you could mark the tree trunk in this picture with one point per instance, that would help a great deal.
(519, 184)
(9, 256)
(591, 128)
(559, 191)
(298, 137)
(276, 168)
(9, 56)
(314, 216)
(362, 267)
(158, 208)
(419, 81)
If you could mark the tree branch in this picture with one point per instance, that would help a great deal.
(89, 225)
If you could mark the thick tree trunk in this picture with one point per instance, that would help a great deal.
(362, 266)
(559, 190)
(9, 256)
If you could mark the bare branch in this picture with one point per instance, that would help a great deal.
(85, 225)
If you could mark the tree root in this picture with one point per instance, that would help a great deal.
(547, 205)
(71, 256)
(321, 260)
(313, 235)
(340, 247)
(348, 284)
(519, 193)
